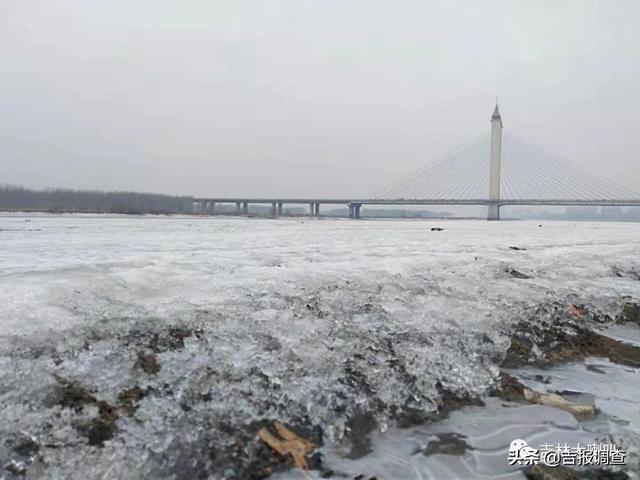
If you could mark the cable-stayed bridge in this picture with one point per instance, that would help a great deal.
(494, 169)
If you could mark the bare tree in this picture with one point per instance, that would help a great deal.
(13, 197)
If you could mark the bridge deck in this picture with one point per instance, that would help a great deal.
(403, 201)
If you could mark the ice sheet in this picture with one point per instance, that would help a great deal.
(310, 319)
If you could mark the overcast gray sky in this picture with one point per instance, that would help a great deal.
(302, 97)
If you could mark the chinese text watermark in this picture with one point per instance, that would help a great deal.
(596, 454)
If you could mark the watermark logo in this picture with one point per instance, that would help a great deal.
(598, 454)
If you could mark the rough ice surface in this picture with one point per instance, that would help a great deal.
(308, 321)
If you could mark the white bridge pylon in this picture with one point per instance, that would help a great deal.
(495, 165)
(499, 168)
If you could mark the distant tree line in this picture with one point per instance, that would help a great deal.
(14, 197)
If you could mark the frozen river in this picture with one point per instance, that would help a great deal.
(189, 331)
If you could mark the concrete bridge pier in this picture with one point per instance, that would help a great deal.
(354, 210)
(245, 208)
(493, 211)
(316, 209)
(204, 206)
(274, 209)
(279, 209)
(237, 208)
